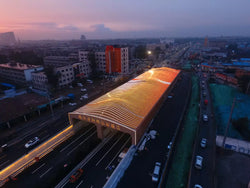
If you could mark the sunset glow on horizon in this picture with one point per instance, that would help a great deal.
(63, 19)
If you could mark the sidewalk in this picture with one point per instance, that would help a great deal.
(234, 144)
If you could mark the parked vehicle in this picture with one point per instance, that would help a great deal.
(32, 142)
(79, 84)
(204, 94)
(198, 162)
(83, 89)
(203, 142)
(72, 104)
(156, 173)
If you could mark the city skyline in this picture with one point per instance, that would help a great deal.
(123, 19)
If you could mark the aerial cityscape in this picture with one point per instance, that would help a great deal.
(125, 94)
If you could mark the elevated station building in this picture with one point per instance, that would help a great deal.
(130, 107)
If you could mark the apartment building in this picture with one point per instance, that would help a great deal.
(39, 81)
(57, 61)
(100, 61)
(65, 78)
(117, 60)
(18, 73)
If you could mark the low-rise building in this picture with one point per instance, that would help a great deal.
(18, 73)
(57, 61)
(39, 81)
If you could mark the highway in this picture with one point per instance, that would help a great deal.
(102, 164)
(43, 127)
(206, 176)
(50, 169)
(139, 173)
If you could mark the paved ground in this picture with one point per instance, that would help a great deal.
(139, 172)
(232, 169)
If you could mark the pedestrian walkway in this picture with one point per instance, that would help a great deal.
(234, 144)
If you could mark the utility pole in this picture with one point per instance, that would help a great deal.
(50, 105)
(228, 123)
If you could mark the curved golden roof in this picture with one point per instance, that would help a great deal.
(130, 103)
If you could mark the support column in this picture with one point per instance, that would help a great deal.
(8, 124)
(25, 119)
(99, 131)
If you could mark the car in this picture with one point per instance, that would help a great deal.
(170, 96)
(90, 81)
(156, 173)
(83, 89)
(205, 117)
(76, 175)
(72, 104)
(169, 145)
(197, 186)
(198, 162)
(203, 142)
(32, 142)
(204, 94)
(79, 84)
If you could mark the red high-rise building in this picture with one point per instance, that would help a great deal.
(116, 60)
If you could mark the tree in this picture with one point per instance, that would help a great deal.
(52, 77)
(92, 60)
(157, 51)
(242, 125)
(243, 82)
(140, 52)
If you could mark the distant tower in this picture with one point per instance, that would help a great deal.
(206, 42)
(83, 37)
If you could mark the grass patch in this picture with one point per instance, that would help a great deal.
(178, 174)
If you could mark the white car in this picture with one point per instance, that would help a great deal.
(83, 89)
(197, 186)
(198, 162)
(203, 142)
(72, 104)
(205, 117)
(90, 81)
(32, 142)
(156, 173)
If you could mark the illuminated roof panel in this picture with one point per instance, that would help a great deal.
(130, 103)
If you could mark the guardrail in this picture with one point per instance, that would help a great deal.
(33, 156)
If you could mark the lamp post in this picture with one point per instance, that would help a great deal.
(50, 105)
(229, 121)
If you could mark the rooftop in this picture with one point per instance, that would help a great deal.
(129, 104)
(19, 66)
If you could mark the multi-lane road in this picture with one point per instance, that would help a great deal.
(206, 175)
(139, 173)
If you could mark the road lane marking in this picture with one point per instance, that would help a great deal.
(45, 172)
(117, 153)
(109, 150)
(75, 140)
(4, 163)
(81, 143)
(38, 168)
(45, 137)
(79, 184)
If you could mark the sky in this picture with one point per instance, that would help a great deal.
(108, 19)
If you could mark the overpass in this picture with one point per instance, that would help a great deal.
(130, 107)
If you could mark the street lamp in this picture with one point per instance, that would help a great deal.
(229, 121)
(149, 52)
